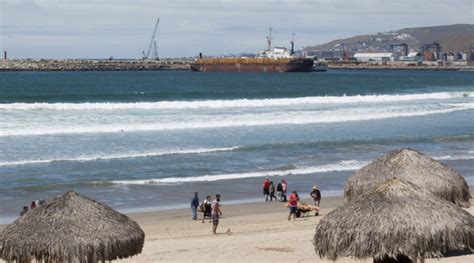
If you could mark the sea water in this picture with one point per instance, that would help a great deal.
(142, 141)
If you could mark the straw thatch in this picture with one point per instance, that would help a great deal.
(395, 219)
(415, 167)
(71, 228)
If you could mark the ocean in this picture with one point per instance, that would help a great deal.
(145, 141)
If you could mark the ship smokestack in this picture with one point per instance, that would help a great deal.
(5, 55)
(269, 39)
(292, 52)
(200, 55)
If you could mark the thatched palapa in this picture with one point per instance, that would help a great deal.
(415, 167)
(397, 219)
(71, 228)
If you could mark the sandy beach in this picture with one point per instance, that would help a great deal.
(260, 233)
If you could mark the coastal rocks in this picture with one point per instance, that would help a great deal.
(91, 65)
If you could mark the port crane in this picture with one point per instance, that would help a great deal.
(152, 47)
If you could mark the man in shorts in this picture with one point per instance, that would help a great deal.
(215, 213)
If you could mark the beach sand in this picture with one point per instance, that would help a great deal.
(260, 233)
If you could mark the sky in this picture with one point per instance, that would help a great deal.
(123, 28)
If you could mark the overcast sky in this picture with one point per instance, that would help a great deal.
(123, 28)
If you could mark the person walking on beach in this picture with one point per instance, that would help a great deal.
(272, 191)
(284, 187)
(194, 205)
(316, 195)
(266, 188)
(215, 213)
(293, 205)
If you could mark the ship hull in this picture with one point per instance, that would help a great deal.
(296, 65)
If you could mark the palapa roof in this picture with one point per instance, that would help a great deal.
(413, 166)
(71, 228)
(395, 218)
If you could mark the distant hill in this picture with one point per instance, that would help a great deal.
(452, 38)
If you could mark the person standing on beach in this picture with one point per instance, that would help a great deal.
(215, 213)
(266, 188)
(272, 191)
(316, 195)
(207, 208)
(293, 205)
(194, 205)
(284, 187)
(279, 192)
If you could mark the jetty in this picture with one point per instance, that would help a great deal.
(92, 65)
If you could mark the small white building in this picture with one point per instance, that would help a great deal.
(375, 57)
(412, 56)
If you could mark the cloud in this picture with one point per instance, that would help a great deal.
(122, 28)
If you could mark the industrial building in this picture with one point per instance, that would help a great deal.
(412, 56)
(375, 57)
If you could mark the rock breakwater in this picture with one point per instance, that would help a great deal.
(91, 65)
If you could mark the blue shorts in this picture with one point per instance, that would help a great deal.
(293, 209)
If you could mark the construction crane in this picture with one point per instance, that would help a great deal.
(152, 47)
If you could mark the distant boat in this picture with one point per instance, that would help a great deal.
(318, 66)
(277, 59)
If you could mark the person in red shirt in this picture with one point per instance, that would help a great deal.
(293, 204)
(266, 188)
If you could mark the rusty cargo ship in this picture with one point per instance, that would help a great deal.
(278, 59)
(253, 65)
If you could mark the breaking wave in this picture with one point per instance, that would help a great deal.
(238, 103)
(347, 165)
(87, 158)
(245, 120)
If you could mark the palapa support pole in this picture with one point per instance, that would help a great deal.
(399, 259)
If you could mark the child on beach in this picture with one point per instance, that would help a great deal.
(293, 205)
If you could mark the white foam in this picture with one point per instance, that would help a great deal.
(340, 166)
(86, 158)
(455, 157)
(243, 120)
(238, 103)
